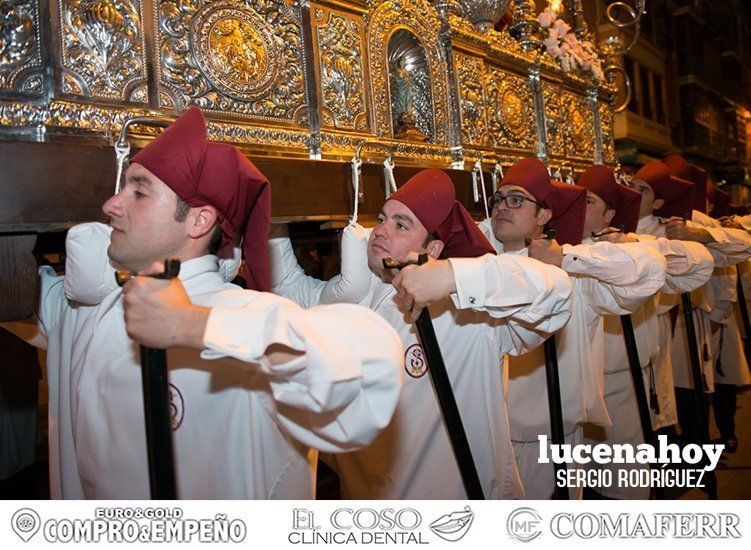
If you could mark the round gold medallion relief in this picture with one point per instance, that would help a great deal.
(578, 126)
(235, 50)
(512, 114)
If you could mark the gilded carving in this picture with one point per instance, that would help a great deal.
(555, 119)
(102, 42)
(470, 76)
(339, 42)
(606, 124)
(420, 18)
(510, 110)
(21, 115)
(579, 132)
(19, 47)
(347, 144)
(240, 57)
(107, 119)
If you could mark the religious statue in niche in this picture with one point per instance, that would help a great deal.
(410, 88)
(406, 126)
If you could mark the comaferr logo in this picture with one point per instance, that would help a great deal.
(523, 524)
(414, 361)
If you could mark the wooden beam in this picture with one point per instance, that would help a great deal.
(18, 278)
(52, 185)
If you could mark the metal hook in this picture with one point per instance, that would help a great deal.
(374, 145)
(156, 120)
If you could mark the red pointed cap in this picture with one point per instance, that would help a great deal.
(680, 168)
(215, 174)
(600, 180)
(431, 197)
(720, 201)
(677, 193)
(567, 202)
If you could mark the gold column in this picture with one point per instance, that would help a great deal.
(525, 27)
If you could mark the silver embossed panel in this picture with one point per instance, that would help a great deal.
(102, 47)
(20, 57)
(238, 57)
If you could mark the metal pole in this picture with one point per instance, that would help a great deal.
(639, 390)
(162, 479)
(744, 315)
(446, 400)
(555, 408)
(696, 371)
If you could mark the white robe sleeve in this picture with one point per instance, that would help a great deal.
(353, 284)
(689, 264)
(731, 246)
(89, 277)
(342, 391)
(618, 278)
(289, 280)
(52, 300)
(533, 298)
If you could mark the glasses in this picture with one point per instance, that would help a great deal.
(512, 201)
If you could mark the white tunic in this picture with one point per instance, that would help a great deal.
(732, 246)
(241, 426)
(689, 265)
(504, 304)
(608, 279)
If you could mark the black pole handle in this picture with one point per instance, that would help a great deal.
(445, 395)
(556, 410)
(639, 390)
(155, 382)
(700, 409)
(744, 315)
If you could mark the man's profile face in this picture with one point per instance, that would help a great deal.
(598, 216)
(512, 225)
(398, 235)
(648, 199)
(142, 217)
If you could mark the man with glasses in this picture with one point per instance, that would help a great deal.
(608, 279)
(482, 306)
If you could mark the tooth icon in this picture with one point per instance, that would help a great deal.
(454, 526)
(25, 523)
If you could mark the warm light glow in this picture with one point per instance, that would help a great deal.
(556, 5)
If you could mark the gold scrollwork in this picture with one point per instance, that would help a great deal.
(236, 57)
(510, 110)
(579, 125)
(606, 125)
(555, 119)
(470, 73)
(421, 19)
(339, 42)
(68, 114)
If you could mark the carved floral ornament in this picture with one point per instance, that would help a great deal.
(340, 47)
(19, 47)
(102, 44)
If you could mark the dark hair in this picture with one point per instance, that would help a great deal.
(434, 236)
(181, 212)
